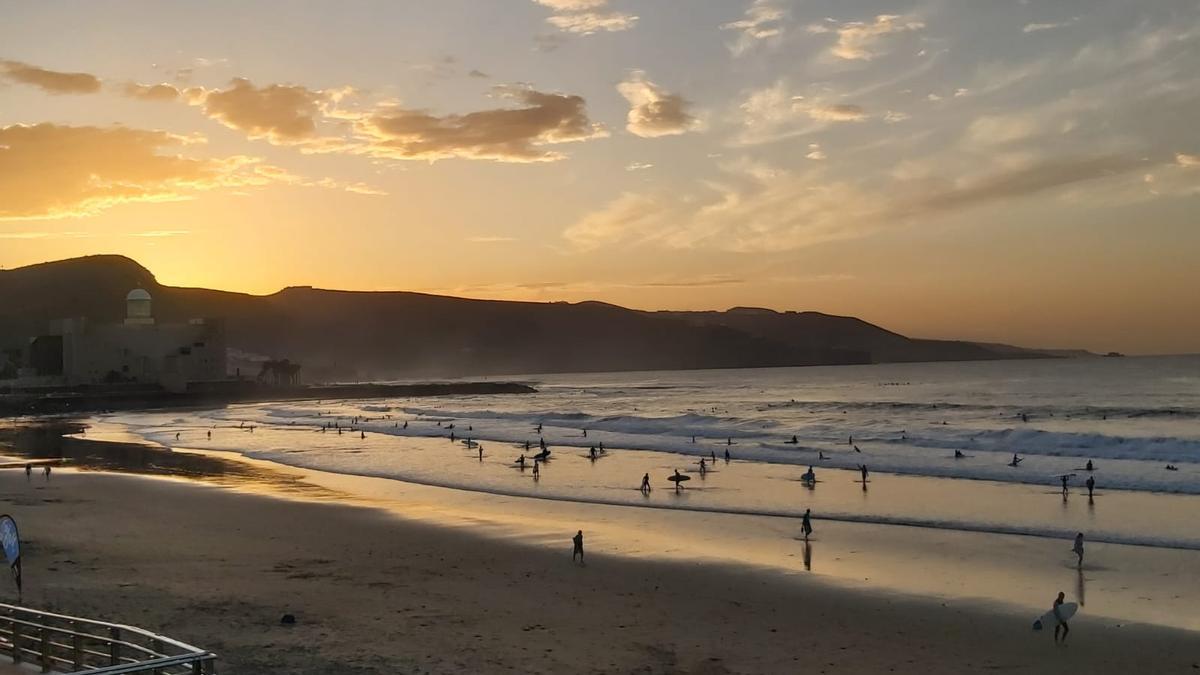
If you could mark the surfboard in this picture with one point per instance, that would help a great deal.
(678, 479)
(1066, 611)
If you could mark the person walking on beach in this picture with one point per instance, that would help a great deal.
(806, 524)
(1091, 486)
(1061, 622)
(1078, 549)
(863, 468)
(645, 483)
(578, 539)
(1064, 479)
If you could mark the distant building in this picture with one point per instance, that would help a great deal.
(78, 351)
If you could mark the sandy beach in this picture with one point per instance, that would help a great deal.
(418, 580)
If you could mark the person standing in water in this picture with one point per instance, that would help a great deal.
(481, 452)
(727, 457)
(1091, 486)
(863, 468)
(703, 467)
(536, 472)
(1064, 479)
(1078, 549)
(1061, 622)
(806, 524)
(578, 539)
(646, 483)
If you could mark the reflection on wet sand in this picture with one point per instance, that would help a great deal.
(63, 441)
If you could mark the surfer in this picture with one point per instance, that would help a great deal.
(539, 427)
(1015, 460)
(405, 424)
(1172, 467)
(958, 454)
(542, 444)
(806, 524)
(1078, 549)
(1091, 486)
(1089, 466)
(645, 483)
(521, 461)
(1061, 622)
(585, 433)
(703, 467)
(729, 441)
(821, 454)
(856, 449)
(678, 479)
(578, 539)
(794, 440)
(810, 476)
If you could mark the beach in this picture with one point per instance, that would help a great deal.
(386, 576)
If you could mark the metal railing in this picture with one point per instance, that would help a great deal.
(68, 644)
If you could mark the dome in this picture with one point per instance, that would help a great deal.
(137, 294)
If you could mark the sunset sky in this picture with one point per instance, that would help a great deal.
(1025, 171)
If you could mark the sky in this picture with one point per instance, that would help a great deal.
(1022, 171)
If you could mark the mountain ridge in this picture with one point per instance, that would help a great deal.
(341, 334)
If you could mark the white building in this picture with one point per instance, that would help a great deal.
(137, 350)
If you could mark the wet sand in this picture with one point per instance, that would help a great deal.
(388, 577)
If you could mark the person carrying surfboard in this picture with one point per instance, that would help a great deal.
(806, 524)
(1061, 621)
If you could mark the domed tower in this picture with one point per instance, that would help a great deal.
(138, 310)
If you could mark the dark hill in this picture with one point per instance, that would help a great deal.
(344, 334)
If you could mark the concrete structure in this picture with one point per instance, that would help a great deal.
(77, 351)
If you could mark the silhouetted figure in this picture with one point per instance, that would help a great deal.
(1091, 486)
(28, 470)
(210, 433)
(863, 469)
(809, 476)
(481, 452)
(362, 435)
(850, 440)
(1064, 479)
(452, 437)
(958, 454)
(645, 483)
(727, 457)
(1078, 548)
(536, 472)
(856, 449)
(176, 435)
(806, 524)
(1089, 466)
(794, 441)
(1024, 417)
(521, 462)
(542, 443)
(585, 433)
(678, 480)
(46, 471)
(1061, 623)
(821, 455)
(539, 427)
(405, 424)
(578, 539)
(703, 467)
(713, 455)
(1015, 460)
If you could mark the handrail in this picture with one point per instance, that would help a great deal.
(91, 646)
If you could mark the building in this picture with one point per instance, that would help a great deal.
(139, 349)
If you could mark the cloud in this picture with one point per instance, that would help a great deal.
(281, 114)
(654, 112)
(50, 81)
(776, 113)
(838, 112)
(490, 239)
(893, 116)
(517, 134)
(773, 210)
(1038, 27)
(857, 39)
(638, 166)
(763, 21)
(585, 17)
(815, 152)
(151, 92)
(54, 171)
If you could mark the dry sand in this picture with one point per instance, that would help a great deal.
(377, 593)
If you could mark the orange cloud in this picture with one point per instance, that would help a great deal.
(517, 134)
(54, 171)
(51, 81)
(279, 113)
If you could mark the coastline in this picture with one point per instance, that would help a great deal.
(420, 583)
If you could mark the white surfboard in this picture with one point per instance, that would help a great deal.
(1066, 611)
